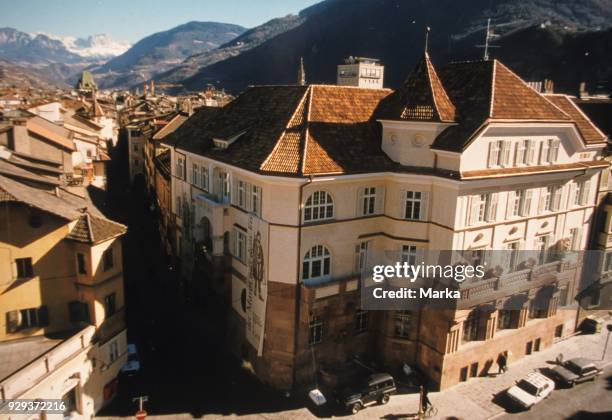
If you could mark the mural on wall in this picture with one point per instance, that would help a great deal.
(256, 288)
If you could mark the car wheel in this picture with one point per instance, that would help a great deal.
(384, 399)
(356, 407)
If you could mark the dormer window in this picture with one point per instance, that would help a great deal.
(225, 143)
(524, 152)
(549, 151)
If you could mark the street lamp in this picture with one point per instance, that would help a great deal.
(609, 327)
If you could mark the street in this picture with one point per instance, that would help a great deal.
(590, 400)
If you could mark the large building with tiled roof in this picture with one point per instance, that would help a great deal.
(286, 197)
(62, 328)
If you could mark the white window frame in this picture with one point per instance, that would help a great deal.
(180, 167)
(409, 254)
(113, 351)
(195, 174)
(317, 257)
(315, 330)
(256, 199)
(240, 245)
(413, 205)
(241, 196)
(204, 176)
(318, 206)
(368, 201)
(522, 202)
(362, 252)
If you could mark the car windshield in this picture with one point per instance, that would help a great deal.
(132, 358)
(528, 387)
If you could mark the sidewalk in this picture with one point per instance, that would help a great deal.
(473, 399)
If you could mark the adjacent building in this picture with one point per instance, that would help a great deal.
(62, 329)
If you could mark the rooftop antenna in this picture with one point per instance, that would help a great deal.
(488, 37)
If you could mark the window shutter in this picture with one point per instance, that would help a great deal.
(530, 152)
(473, 203)
(584, 193)
(542, 203)
(360, 197)
(555, 150)
(517, 153)
(402, 206)
(492, 154)
(564, 195)
(43, 316)
(260, 201)
(506, 146)
(544, 152)
(248, 197)
(556, 198)
(492, 214)
(510, 204)
(13, 320)
(527, 203)
(380, 200)
(572, 194)
(234, 191)
(424, 205)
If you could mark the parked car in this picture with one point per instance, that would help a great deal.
(575, 371)
(377, 388)
(132, 366)
(531, 390)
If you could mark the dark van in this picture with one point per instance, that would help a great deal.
(376, 389)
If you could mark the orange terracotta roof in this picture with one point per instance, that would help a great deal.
(485, 91)
(590, 133)
(421, 98)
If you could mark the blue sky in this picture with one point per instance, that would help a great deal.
(131, 20)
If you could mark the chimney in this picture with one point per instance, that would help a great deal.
(152, 87)
(548, 86)
(582, 91)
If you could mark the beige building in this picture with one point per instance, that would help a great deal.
(289, 192)
(62, 329)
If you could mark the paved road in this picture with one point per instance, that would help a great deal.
(590, 400)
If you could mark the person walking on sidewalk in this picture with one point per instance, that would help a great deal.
(502, 363)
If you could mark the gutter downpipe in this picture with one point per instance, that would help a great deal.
(298, 287)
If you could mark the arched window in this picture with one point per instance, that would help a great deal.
(317, 263)
(319, 206)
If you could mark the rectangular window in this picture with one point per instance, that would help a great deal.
(107, 259)
(27, 318)
(361, 320)
(581, 192)
(24, 268)
(204, 178)
(368, 202)
(512, 256)
(543, 246)
(195, 174)
(81, 263)
(553, 150)
(413, 205)
(409, 254)
(223, 186)
(242, 194)
(487, 207)
(607, 262)
(522, 203)
(256, 200)
(113, 351)
(499, 153)
(180, 167)
(507, 319)
(362, 256)
(403, 324)
(179, 206)
(240, 247)
(575, 239)
(110, 304)
(471, 327)
(315, 331)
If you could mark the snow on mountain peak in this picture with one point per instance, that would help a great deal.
(94, 46)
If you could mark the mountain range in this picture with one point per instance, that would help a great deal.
(566, 40)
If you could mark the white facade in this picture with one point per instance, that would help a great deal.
(361, 72)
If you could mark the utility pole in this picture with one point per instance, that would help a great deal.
(141, 414)
(609, 328)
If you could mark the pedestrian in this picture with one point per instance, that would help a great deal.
(502, 363)
(425, 403)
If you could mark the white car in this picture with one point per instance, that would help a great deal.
(132, 366)
(531, 390)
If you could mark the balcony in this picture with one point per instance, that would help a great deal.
(111, 325)
(475, 292)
